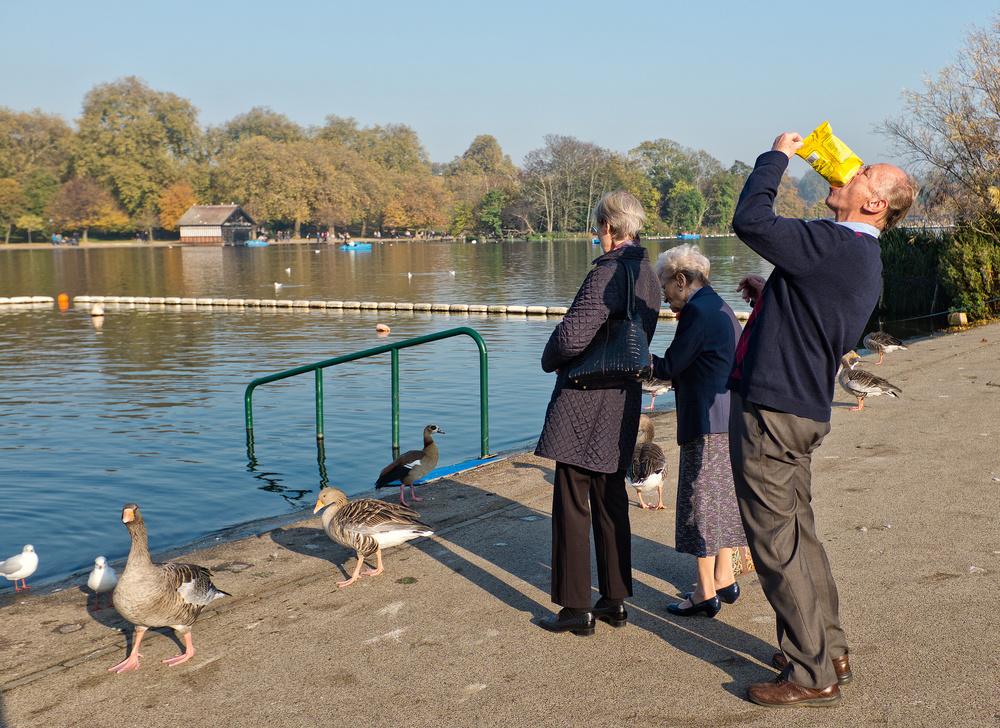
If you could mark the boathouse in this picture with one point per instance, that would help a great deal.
(216, 225)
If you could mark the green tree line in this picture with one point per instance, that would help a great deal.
(137, 159)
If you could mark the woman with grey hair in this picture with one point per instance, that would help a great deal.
(590, 433)
(698, 362)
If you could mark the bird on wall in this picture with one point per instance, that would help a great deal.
(367, 525)
(861, 383)
(159, 595)
(411, 466)
(20, 566)
(645, 472)
(881, 343)
(102, 580)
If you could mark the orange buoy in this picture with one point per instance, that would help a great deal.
(63, 301)
(382, 328)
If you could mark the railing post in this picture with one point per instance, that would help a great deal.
(484, 403)
(319, 404)
(395, 403)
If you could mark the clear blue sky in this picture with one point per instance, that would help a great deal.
(722, 76)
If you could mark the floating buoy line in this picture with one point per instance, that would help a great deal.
(268, 303)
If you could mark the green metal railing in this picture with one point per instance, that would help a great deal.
(393, 349)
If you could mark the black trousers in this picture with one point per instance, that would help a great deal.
(772, 453)
(583, 498)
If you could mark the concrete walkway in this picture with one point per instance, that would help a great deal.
(907, 497)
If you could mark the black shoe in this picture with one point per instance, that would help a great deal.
(709, 607)
(613, 614)
(728, 594)
(569, 621)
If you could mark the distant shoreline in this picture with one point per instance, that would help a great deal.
(295, 241)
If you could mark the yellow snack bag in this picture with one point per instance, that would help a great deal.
(829, 156)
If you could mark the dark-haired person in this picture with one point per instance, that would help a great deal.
(809, 313)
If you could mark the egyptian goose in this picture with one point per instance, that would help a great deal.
(645, 472)
(20, 566)
(411, 466)
(655, 387)
(881, 343)
(861, 383)
(159, 595)
(367, 525)
(102, 580)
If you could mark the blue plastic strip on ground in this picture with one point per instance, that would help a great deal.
(457, 468)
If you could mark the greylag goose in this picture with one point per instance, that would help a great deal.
(159, 595)
(655, 387)
(861, 383)
(411, 466)
(367, 525)
(20, 566)
(102, 580)
(645, 472)
(881, 343)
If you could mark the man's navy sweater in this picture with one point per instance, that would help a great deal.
(814, 307)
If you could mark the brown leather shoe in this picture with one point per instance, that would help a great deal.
(779, 693)
(841, 665)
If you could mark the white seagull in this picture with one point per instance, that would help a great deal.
(20, 566)
(102, 580)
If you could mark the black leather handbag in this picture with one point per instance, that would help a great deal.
(619, 352)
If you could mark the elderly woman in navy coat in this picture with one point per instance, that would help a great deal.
(590, 433)
(698, 362)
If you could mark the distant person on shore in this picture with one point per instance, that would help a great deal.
(697, 363)
(809, 313)
(591, 433)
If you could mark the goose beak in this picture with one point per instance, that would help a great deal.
(128, 515)
(319, 505)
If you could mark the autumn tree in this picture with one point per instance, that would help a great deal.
(82, 203)
(31, 142)
(38, 187)
(723, 192)
(562, 180)
(684, 206)
(483, 169)
(950, 128)
(259, 121)
(788, 203)
(268, 178)
(30, 222)
(394, 162)
(133, 140)
(174, 201)
(11, 204)
(668, 164)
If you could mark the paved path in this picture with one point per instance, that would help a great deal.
(907, 494)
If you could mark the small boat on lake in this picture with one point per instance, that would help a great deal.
(688, 236)
(356, 246)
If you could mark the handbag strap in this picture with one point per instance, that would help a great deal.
(631, 289)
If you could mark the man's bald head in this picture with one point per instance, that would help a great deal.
(898, 189)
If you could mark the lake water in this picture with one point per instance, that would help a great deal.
(149, 407)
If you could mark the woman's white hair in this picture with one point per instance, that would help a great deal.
(686, 259)
(622, 212)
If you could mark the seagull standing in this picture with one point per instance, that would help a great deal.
(103, 580)
(20, 566)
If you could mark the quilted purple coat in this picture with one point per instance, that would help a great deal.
(596, 428)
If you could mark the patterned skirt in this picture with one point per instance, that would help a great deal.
(708, 516)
